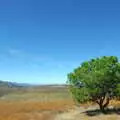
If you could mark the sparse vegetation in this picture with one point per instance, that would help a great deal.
(47, 103)
(34, 102)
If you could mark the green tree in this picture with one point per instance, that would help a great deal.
(97, 80)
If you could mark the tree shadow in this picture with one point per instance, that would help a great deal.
(98, 112)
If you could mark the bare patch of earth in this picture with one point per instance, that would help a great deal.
(91, 113)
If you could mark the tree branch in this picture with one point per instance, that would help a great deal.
(107, 102)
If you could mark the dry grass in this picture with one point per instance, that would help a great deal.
(29, 110)
(40, 103)
(47, 103)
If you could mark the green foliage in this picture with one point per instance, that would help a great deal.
(96, 79)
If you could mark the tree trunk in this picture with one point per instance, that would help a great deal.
(103, 105)
(102, 108)
(107, 102)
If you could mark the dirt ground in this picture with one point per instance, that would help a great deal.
(81, 114)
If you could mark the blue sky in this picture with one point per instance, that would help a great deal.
(43, 40)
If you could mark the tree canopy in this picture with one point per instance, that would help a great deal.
(96, 80)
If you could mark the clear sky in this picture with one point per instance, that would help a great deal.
(43, 40)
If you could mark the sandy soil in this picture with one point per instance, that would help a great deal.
(81, 114)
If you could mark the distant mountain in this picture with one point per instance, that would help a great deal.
(12, 84)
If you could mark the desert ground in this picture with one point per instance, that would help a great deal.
(49, 103)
